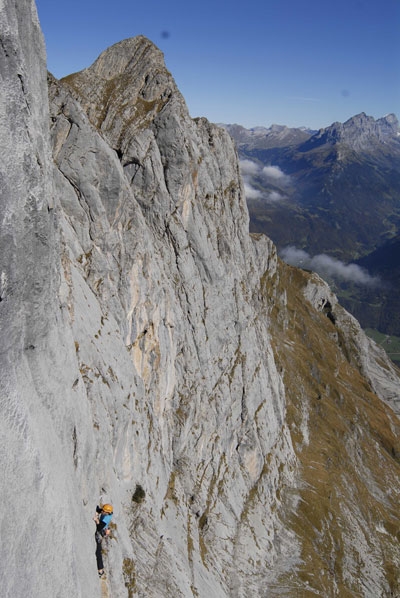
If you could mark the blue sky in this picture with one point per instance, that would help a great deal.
(300, 63)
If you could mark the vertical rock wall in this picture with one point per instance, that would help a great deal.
(41, 552)
(157, 227)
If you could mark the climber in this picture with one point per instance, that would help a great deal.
(102, 519)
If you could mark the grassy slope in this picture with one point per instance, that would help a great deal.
(347, 442)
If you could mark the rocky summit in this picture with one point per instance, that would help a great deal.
(158, 357)
(359, 133)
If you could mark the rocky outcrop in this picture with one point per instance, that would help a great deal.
(168, 362)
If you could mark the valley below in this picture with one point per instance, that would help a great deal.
(330, 201)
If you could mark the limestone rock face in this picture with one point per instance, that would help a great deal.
(184, 290)
(46, 533)
(160, 358)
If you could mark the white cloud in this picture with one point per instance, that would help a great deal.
(251, 192)
(276, 174)
(274, 196)
(294, 256)
(273, 172)
(326, 265)
(250, 170)
(248, 167)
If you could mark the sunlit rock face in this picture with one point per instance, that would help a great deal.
(160, 358)
(178, 271)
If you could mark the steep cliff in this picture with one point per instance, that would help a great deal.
(158, 357)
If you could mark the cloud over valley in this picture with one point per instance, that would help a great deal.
(263, 182)
(275, 173)
(328, 266)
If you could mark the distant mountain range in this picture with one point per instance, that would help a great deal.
(336, 193)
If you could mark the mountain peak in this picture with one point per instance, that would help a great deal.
(280, 135)
(125, 55)
(387, 123)
(128, 83)
(360, 132)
